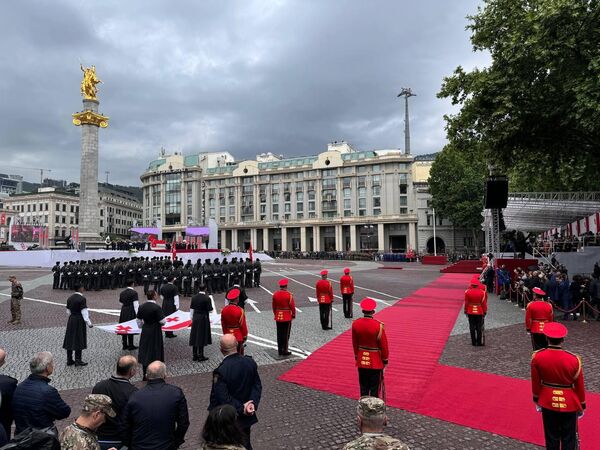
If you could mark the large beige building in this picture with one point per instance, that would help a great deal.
(341, 199)
(58, 210)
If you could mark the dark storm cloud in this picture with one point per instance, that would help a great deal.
(246, 77)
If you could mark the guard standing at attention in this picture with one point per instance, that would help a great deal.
(476, 309)
(537, 315)
(76, 332)
(200, 309)
(233, 319)
(347, 288)
(284, 309)
(150, 318)
(129, 308)
(325, 299)
(170, 301)
(370, 349)
(558, 389)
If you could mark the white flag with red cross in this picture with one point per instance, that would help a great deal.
(176, 321)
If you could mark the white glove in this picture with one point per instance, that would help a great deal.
(580, 414)
(177, 301)
(136, 306)
(538, 408)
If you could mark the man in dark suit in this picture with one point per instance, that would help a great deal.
(7, 389)
(119, 388)
(156, 416)
(170, 300)
(236, 382)
(129, 308)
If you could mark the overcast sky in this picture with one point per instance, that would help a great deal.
(241, 76)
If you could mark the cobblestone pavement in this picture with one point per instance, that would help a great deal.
(290, 416)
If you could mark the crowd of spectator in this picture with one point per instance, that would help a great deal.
(559, 243)
(567, 293)
(117, 414)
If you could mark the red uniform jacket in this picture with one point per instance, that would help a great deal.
(347, 284)
(324, 291)
(475, 301)
(233, 321)
(537, 314)
(284, 307)
(370, 343)
(557, 380)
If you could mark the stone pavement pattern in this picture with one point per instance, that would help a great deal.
(290, 416)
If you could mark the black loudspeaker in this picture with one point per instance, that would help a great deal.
(496, 193)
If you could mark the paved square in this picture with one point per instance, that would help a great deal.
(290, 416)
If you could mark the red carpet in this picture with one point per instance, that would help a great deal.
(416, 382)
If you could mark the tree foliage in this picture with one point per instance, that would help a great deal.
(535, 111)
(456, 183)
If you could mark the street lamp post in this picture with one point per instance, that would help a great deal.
(434, 238)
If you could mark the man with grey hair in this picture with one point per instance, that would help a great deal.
(371, 420)
(156, 416)
(35, 403)
(7, 389)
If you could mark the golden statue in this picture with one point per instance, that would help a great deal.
(89, 82)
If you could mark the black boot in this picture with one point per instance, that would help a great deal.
(70, 360)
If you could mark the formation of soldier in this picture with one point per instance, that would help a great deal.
(151, 273)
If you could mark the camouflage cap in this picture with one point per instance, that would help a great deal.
(99, 402)
(371, 407)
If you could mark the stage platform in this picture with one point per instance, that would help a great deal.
(47, 258)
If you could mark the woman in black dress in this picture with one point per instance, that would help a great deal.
(76, 332)
(150, 318)
(200, 309)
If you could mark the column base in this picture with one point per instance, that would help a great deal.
(93, 241)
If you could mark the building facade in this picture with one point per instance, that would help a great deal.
(58, 210)
(338, 200)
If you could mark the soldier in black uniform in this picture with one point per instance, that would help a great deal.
(156, 278)
(178, 281)
(197, 275)
(225, 270)
(64, 278)
(208, 277)
(129, 308)
(248, 269)
(76, 332)
(146, 278)
(170, 301)
(217, 275)
(96, 275)
(257, 269)
(200, 337)
(56, 275)
(186, 276)
(85, 275)
(150, 318)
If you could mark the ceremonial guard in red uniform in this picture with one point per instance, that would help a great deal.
(476, 309)
(284, 310)
(347, 288)
(370, 349)
(233, 319)
(537, 315)
(558, 389)
(325, 298)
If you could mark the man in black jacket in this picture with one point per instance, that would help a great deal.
(156, 416)
(119, 389)
(236, 382)
(170, 300)
(7, 389)
(35, 403)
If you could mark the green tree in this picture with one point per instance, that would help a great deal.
(536, 109)
(456, 184)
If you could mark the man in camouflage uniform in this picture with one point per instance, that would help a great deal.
(81, 434)
(16, 295)
(371, 420)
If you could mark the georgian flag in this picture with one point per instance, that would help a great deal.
(176, 321)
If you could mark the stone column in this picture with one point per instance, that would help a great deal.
(381, 237)
(253, 238)
(234, 240)
(223, 239)
(266, 240)
(353, 238)
(412, 236)
(89, 210)
(302, 239)
(284, 243)
(339, 244)
(317, 238)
